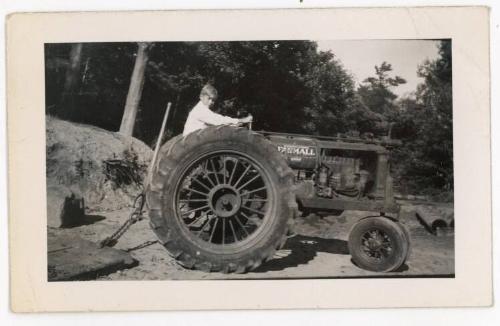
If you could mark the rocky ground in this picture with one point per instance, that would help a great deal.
(319, 250)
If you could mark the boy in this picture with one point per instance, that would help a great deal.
(201, 116)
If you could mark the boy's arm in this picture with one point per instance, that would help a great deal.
(211, 118)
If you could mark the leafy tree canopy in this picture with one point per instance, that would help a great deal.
(287, 86)
(426, 126)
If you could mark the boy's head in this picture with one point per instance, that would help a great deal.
(208, 95)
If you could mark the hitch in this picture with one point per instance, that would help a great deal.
(140, 200)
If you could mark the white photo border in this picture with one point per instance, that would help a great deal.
(468, 27)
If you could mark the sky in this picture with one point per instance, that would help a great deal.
(359, 57)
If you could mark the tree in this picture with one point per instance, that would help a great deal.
(426, 128)
(375, 105)
(269, 79)
(135, 90)
(331, 95)
(286, 85)
(435, 95)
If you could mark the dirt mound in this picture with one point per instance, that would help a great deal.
(106, 168)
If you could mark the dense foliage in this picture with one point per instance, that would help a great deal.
(288, 86)
(375, 106)
(426, 127)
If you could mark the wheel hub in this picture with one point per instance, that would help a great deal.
(224, 200)
(374, 244)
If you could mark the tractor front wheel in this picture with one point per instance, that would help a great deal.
(378, 244)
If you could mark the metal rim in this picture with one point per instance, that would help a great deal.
(224, 200)
(377, 245)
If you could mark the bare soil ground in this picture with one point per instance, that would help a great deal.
(319, 250)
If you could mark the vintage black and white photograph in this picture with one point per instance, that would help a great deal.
(267, 159)
(274, 159)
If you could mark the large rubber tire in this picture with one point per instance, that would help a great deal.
(378, 244)
(205, 162)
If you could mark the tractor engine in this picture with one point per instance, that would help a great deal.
(323, 172)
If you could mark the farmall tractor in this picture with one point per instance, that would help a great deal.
(225, 198)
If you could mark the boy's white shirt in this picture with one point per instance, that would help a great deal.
(201, 117)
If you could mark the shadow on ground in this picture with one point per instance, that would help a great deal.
(86, 220)
(300, 250)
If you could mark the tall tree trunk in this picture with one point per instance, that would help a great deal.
(135, 90)
(66, 107)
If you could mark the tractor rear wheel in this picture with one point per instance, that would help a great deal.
(220, 199)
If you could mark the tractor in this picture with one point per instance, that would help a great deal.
(224, 198)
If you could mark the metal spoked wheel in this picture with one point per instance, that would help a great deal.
(221, 199)
(224, 199)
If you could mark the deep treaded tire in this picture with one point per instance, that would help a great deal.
(221, 199)
(378, 244)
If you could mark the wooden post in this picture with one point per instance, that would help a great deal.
(158, 144)
(381, 175)
(135, 90)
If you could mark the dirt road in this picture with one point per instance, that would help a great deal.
(319, 250)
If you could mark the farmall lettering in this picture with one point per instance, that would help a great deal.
(300, 153)
(297, 150)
